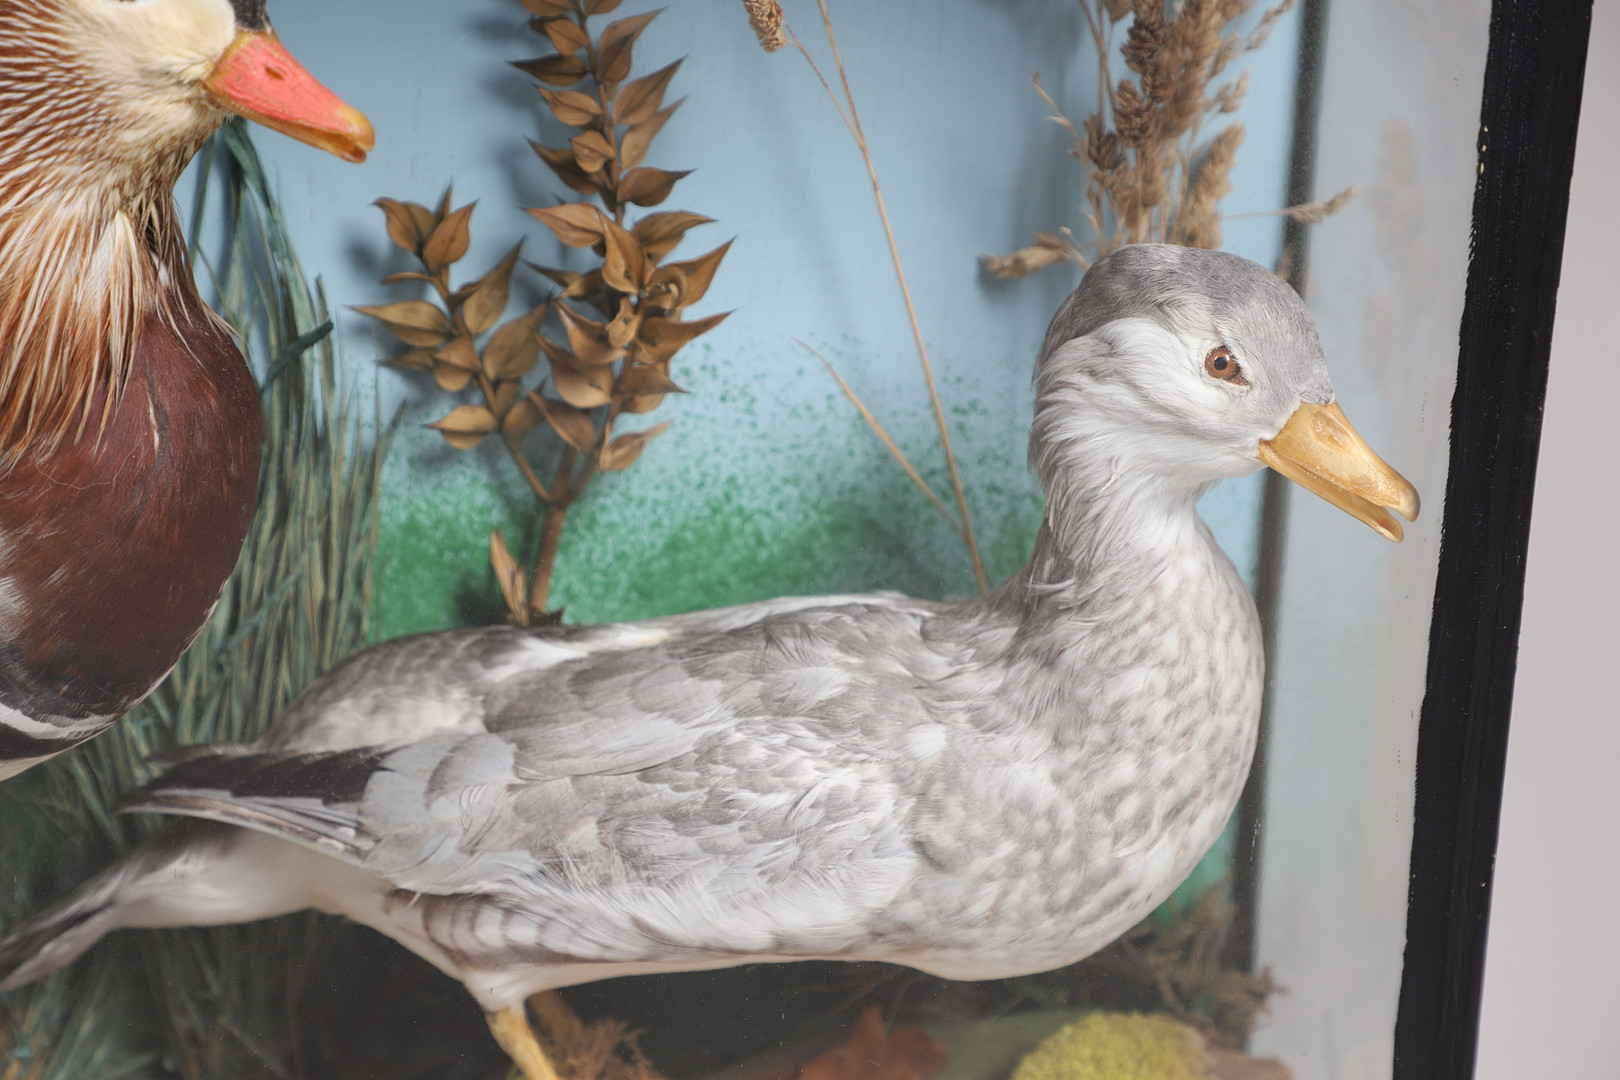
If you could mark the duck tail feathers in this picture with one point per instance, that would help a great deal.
(57, 936)
(305, 797)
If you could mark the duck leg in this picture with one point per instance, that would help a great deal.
(511, 1029)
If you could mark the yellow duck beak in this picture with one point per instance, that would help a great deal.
(1319, 450)
(258, 78)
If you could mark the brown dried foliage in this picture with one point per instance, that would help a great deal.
(588, 1050)
(873, 1052)
(1150, 173)
(621, 321)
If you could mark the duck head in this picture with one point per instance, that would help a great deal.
(1180, 367)
(102, 104)
(142, 83)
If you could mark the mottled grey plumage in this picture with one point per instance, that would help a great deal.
(978, 789)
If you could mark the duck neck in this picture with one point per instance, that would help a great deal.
(91, 253)
(1106, 535)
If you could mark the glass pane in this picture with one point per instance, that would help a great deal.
(1400, 104)
(769, 481)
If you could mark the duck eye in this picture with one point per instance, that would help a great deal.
(1221, 364)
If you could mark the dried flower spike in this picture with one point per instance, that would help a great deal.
(765, 16)
(1150, 171)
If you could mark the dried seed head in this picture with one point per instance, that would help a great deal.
(1144, 40)
(1102, 147)
(1267, 23)
(1230, 96)
(1133, 119)
(1312, 213)
(1047, 250)
(765, 16)
(1198, 223)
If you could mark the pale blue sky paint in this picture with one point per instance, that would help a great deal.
(969, 164)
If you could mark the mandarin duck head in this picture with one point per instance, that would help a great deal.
(129, 424)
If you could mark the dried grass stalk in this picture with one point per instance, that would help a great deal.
(962, 521)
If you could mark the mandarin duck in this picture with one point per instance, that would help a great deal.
(129, 422)
(978, 789)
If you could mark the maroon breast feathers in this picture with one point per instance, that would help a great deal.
(114, 545)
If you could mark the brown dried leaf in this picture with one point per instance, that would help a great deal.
(415, 322)
(664, 289)
(583, 389)
(459, 352)
(564, 278)
(640, 98)
(661, 339)
(514, 587)
(641, 403)
(600, 7)
(449, 241)
(465, 426)
(591, 150)
(405, 275)
(576, 224)
(450, 378)
(591, 289)
(699, 273)
(520, 419)
(621, 331)
(642, 387)
(659, 233)
(513, 349)
(550, 9)
(572, 424)
(633, 147)
(505, 396)
(567, 36)
(571, 106)
(625, 265)
(402, 224)
(415, 360)
(556, 70)
(561, 162)
(613, 48)
(648, 186)
(487, 299)
(624, 449)
(587, 339)
(440, 214)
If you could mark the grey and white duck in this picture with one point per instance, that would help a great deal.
(978, 789)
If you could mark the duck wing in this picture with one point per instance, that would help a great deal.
(754, 767)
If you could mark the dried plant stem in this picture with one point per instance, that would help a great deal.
(546, 557)
(852, 121)
(883, 435)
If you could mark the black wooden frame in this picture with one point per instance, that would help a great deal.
(1532, 98)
